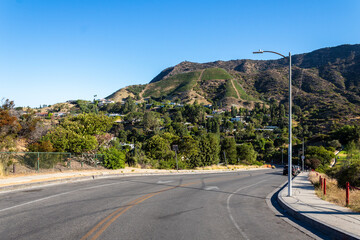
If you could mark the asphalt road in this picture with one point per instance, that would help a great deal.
(201, 206)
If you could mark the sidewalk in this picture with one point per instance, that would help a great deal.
(337, 221)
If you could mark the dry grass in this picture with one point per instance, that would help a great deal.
(335, 194)
(231, 167)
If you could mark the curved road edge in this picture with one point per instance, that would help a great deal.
(334, 232)
(273, 204)
(61, 178)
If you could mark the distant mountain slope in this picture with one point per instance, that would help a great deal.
(327, 79)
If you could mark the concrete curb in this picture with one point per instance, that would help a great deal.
(333, 231)
(44, 182)
(289, 220)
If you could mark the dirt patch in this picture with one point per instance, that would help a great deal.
(121, 95)
(21, 170)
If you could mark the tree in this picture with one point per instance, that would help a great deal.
(151, 121)
(281, 118)
(314, 163)
(67, 140)
(233, 111)
(178, 117)
(335, 144)
(228, 145)
(88, 124)
(180, 129)
(158, 148)
(209, 149)
(229, 126)
(188, 147)
(347, 134)
(213, 124)
(320, 153)
(134, 117)
(129, 105)
(246, 153)
(77, 134)
(9, 126)
(43, 146)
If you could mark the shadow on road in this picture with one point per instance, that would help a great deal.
(283, 215)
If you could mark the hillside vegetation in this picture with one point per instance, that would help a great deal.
(172, 85)
(326, 84)
(215, 73)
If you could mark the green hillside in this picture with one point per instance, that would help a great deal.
(229, 90)
(242, 93)
(174, 84)
(215, 73)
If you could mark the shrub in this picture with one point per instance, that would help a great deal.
(313, 163)
(113, 158)
(349, 174)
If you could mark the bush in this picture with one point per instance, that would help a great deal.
(314, 163)
(167, 164)
(114, 158)
(349, 174)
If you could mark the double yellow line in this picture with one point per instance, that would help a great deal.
(99, 228)
(106, 222)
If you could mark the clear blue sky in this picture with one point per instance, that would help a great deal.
(55, 50)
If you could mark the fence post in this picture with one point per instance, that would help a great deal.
(347, 193)
(14, 168)
(38, 161)
(324, 186)
(321, 183)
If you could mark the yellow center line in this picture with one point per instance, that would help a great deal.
(135, 202)
(119, 214)
(107, 218)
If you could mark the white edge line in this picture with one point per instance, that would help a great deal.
(229, 211)
(56, 195)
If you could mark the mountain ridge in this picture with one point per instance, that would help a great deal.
(326, 79)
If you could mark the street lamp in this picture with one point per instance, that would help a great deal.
(290, 121)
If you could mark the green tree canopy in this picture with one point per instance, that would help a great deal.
(209, 149)
(228, 145)
(320, 153)
(246, 153)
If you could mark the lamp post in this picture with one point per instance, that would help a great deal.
(290, 121)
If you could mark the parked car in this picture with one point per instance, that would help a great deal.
(294, 170)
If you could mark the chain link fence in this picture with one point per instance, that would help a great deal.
(89, 160)
(28, 162)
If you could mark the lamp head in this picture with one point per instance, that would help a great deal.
(260, 51)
